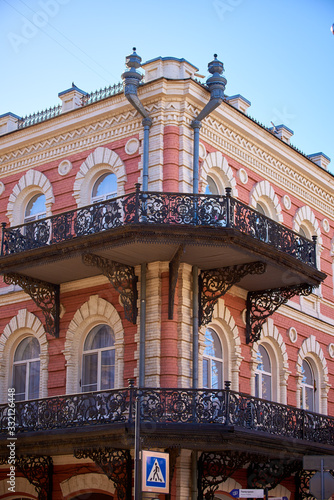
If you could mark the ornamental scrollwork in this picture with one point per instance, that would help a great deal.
(115, 464)
(38, 470)
(45, 295)
(262, 304)
(214, 283)
(123, 279)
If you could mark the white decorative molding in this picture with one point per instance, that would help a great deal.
(312, 350)
(304, 215)
(293, 335)
(330, 349)
(132, 146)
(325, 225)
(242, 176)
(271, 337)
(22, 488)
(202, 151)
(216, 166)
(31, 183)
(82, 483)
(64, 167)
(286, 201)
(102, 160)
(223, 323)
(263, 191)
(2, 188)
(95, 311)
(22, 325)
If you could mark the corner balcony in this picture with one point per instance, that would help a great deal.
(209, 231)
(202, 419)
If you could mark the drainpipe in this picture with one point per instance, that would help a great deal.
(216, 84)
(131, 79)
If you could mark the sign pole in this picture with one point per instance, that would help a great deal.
(137, 450)
(322, 480)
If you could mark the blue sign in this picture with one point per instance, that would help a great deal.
(155, 471)
(234, 493)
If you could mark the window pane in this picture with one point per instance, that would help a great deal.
(206, 373)
(89, 372)
(100, 336)
(257, 385)
(105, 187)
(19, 381)
(28, 348)
(266, 387)
(211, 187)
(107, 369)
(307, 373)
(216, 374)
(309, 399)
(266, 365)
(212, 344)
(36, 206)
(33, 380)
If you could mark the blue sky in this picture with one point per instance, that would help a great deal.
(277, 54)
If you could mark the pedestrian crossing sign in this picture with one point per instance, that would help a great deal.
(155, 471)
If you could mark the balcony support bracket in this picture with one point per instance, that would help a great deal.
(123, 279)
(267, 473)
(215, 468)
(38, 470)
(214, 283)
(173, 275)
(115, 464)
(45, 295)
(262, 304)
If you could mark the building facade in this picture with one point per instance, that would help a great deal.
(167, 285)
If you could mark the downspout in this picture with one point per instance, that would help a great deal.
(131, 80)
(216, 84)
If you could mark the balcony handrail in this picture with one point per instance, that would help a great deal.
(222, 407)
(154, 207)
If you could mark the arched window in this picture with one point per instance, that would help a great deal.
(212, 361)
(263, 376)
(104, 188)
(211, 187)
(307, 392)
(98, 363)
(26, 369)
(35, 208)
(260, 208)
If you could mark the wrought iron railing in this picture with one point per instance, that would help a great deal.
(102, 93)
(144, 208)
(169, 406)
(40, 116)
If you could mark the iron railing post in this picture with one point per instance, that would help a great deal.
(131, 383)
(314, 251)
(227, 402)
(137, 186)
(228, 191)
(3, 224)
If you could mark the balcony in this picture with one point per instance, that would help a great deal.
(140, 227)
(200, 418)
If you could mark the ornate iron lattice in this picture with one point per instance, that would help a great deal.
(215, 468)
(216, 282)
(173, 275)
(123, 279)
(45, 295)
(158, 208)
(262, 304)
(38, 471)
(269, 473)
(115, 464)
(302, 479)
